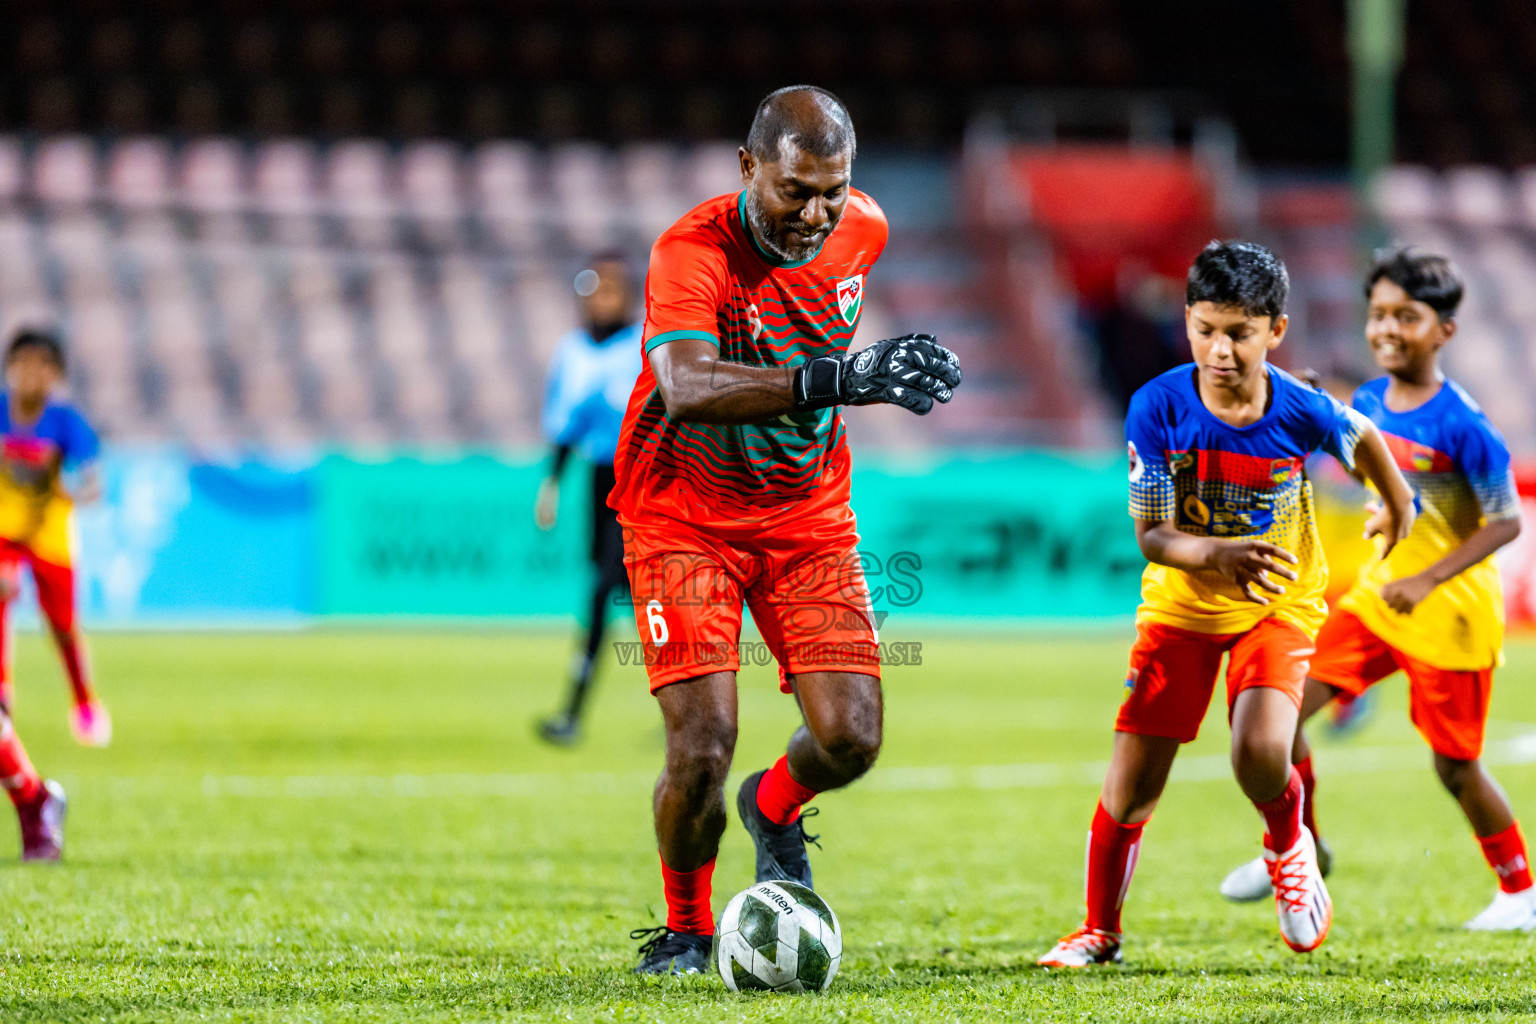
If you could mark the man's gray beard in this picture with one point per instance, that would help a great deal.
(759, 224)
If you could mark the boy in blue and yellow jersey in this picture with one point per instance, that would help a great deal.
(1224, 515)
(40, 438)
(1432, 607)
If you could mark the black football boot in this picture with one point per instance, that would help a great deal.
(780, 848)
(668, 952)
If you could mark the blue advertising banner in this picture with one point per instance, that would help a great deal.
(178, 541)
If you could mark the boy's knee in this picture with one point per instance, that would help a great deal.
(1455, 773)
(1261, 764)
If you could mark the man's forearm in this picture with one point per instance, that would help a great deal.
(711, 390)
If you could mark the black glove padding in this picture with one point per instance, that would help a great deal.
(911, 371)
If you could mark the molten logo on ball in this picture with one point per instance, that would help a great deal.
(778, 936)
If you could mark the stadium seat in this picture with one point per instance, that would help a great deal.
(64, 170)
(1478, 196)
(504, 189)
(650, 173)
(429, 183)
(212, 174)
(1407, 194)
(581, 177)
(284, 177)
(139, 172)
(359, 190)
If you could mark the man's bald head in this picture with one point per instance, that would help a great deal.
(812, 119)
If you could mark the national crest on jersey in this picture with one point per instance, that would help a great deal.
(1212, 479)
(1459, 469)
(850, 298)
(710, 279)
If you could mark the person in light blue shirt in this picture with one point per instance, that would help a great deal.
(590, 379)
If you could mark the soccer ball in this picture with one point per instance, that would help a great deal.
(778, 936)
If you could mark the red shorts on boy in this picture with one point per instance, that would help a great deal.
(1173, 673)
(55, 583)
(1449, 707)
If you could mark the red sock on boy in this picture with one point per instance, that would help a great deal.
(1282, 815)
(19, 779)
(1308, 788)
(1506, 855)
(1112, 852)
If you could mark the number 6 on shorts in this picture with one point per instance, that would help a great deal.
(656, 621)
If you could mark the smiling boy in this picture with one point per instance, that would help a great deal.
(1224, 515)
(1432, 607)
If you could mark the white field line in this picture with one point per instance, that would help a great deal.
(1517, 750)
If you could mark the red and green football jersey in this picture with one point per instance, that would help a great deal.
(710, 279)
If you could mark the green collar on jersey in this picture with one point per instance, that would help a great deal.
(766, 256)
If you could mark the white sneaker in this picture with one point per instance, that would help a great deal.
(1509, 912)
(1248, 883)
(1083, 948)
(1301, 897)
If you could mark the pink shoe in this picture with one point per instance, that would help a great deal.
(42, 824)
(91, 725)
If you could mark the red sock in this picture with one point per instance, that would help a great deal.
(1308, 788)
(20, 779)
(1112, 852)
(1505, 853)
(76, 665)
(779, 796)
(1282, 815)
(688, 898)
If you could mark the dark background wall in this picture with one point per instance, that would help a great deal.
(912, 71)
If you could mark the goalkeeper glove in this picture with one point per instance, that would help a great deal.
(911, 371)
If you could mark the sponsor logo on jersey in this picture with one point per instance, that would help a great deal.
(1196, 510)
(1137, 466)
(850, 297)
(1130, 681)
(1423, 458)
(754, 321)
(1280, 470)
(1180, 461)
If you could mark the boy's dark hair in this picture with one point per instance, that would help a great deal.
(1426, 277)
(34, 337)
(1243, 275)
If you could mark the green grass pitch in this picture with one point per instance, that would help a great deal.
(360, 827)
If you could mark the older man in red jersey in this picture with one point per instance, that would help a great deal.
(733, 486)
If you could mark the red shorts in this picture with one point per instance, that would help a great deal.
(806, 591)
(1449, 707)
(1173, 673)
(55, 583)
